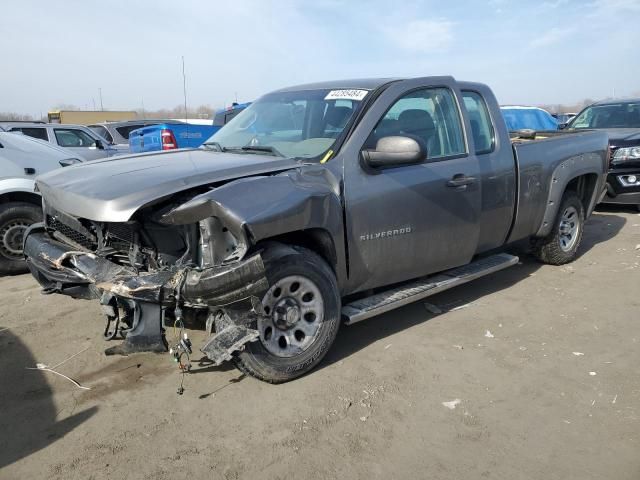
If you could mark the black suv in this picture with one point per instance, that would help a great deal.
(621, 120)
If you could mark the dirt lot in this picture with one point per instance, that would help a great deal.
(540, 365)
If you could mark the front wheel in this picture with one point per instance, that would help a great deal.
(561, 245)
(15, 218)
(302, 316)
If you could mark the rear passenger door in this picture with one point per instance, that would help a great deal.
(497, 167)
(412, 220)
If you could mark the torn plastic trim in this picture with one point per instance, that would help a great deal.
(233, 329)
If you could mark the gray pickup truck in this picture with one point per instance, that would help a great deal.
(318, 203)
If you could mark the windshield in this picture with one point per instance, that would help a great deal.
(619, 115)
(300, 124)
(524, 118)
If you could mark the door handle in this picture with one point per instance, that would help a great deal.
(460, 180)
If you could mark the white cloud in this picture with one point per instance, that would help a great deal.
(424, 36)
(551, 37)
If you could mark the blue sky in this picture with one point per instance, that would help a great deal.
(558, 51)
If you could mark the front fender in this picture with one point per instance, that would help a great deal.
(258, 208)
(12, 185)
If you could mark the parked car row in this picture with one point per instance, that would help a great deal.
(171, 136)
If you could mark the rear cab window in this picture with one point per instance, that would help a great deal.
(481, 126)
(428, 115)
(127, 129)
(35, 132)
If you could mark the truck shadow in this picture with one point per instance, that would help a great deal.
(600, 228)
(28, 414)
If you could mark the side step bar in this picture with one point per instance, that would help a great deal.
(397, 297)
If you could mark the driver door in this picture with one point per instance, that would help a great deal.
(411, 220)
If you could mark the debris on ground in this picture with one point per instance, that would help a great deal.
(488, 334)
(452, 404)
(47, 368)
(578, 354)
(459, 347)
(432, 308)
(593, 374)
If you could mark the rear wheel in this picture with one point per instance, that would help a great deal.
(561, 245)
(302, 316)
(15, 218)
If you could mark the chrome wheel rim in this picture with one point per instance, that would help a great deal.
(294, 310)
(11, 236)
(569, 228)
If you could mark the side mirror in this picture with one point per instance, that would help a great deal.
(394, 151)
(99, 145)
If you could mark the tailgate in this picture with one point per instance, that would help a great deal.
(192, 136)
(146, 139)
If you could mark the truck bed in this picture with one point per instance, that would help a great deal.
(537, 160)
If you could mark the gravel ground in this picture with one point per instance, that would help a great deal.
(531, 373)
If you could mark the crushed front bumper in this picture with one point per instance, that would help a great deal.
(223, 290)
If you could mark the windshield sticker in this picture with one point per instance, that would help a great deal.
(356, 95)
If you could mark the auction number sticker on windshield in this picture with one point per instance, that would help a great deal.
(346, 95)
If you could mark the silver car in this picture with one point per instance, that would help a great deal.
(77, 138)
(22, 158)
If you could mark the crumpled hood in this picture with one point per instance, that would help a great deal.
(111, 190)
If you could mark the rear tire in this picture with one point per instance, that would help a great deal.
(562, 243)
(302, 307)
(15, 218)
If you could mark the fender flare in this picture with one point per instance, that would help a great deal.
(565, 172)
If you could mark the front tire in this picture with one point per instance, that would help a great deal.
(302, 307)
(15, 218)
(561, 245)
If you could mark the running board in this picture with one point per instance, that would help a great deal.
(397, 297)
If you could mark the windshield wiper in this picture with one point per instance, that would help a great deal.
(214, 145)
(262, 149)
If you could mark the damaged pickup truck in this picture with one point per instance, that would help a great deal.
(318, 203)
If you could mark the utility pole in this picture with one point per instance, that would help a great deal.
(101, 106)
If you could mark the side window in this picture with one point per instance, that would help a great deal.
(430, 116)
(481, 126)
(68, 137)
(39, 133)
